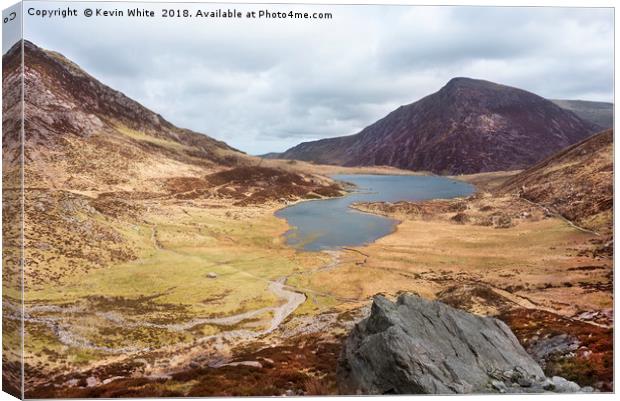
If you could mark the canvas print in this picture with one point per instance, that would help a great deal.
(205, 199)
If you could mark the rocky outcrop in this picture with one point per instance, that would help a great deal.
(416, 346)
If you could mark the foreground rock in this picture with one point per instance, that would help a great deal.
(417, 346)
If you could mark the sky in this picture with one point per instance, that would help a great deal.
(264, 85)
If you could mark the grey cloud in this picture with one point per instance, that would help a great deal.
(265, 85)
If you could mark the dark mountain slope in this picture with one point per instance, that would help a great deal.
(80, 134)
(62, 98)
(83, 135)
(468, 126)
(599, 113)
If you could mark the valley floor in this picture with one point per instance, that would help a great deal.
(214, 303)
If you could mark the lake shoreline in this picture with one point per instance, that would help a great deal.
(332, 225)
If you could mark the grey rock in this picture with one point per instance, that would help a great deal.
(561, 344)
(499, 386)
(561, 385)
(253, 364)
(418, 346)
(92, 381)
(508, 374)
(589, 315)
(547, 385)
(72, 383)
(111, 379)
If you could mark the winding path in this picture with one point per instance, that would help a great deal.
(292, 300)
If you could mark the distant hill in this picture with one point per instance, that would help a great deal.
(270, 155)
(599, 113)
(468, 126)
(576, 182)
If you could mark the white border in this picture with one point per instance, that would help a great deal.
(536, 3)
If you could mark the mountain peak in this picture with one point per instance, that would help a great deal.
(96, 107)
(64, 106)
(464, 83)
(470, 82)
(468, 126)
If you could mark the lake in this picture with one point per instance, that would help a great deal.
(331, 224)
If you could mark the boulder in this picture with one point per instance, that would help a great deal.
(561, 385)
(416, 346)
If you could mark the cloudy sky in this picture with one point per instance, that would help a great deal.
(266, 85)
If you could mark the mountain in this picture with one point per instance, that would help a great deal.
(80, 134)
(468, 126)
(96, 161)
(576, 183)
(599, 113)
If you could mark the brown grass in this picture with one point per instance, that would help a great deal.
(303, 366)
(592, 365)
